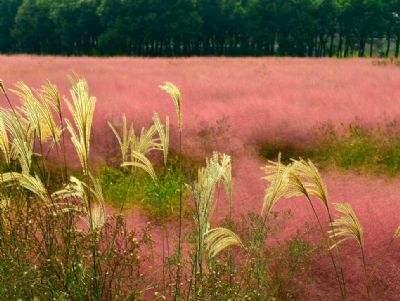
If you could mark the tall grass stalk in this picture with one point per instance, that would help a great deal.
(299, 178)
(210, 241)
(306, 181)
(347, 226)
(8, 99)
(82, 110)
(176, 97)
(51, 94)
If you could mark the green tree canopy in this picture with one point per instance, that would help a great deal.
(201, 27)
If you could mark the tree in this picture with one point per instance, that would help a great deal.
(201, 27)
(8, 9)
(77, 25)
(34, 31)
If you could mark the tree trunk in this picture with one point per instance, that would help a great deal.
(371, 46)
(389, 38)
(331, 45)
(346, 48)
(361, 50)
(339, 52)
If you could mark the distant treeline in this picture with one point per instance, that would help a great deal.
(201, 27)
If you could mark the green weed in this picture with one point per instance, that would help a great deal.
(124, 188)
(356, 148)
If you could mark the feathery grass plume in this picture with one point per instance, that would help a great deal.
(305, 180)
(38, 113)
(94, 215)
(6, 147)
(96, 189)
(396, 233)
(145, 142)
(208, 177)
(33, 184)
(176, 96)
(203, 191)
(226, 171)
(51, 99)
(22, 137)
(5, 203)
(82, 110)
(74, 189)
(50, 95)
(163, 133)
(141, 161)
(79, 190)
(125, 139)
(277, 174)
(346, 227)
(218, 239)
(96, 218)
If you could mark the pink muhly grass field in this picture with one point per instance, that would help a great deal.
(259, 98)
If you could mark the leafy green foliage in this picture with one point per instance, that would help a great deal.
(265, 271)
(126, 188)
(203, 27)
(119, 185)
(356, 149)
(162, 197)
(61, 266)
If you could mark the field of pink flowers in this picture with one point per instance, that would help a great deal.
(243, 102)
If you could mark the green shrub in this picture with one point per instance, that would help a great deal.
(355, 148)
(124, 188)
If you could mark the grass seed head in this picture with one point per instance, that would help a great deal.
(347, 226)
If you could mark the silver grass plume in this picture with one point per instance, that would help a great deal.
(82, 110)
(347, 226)
(31, 183)
(218, 239)
(94, 215)
(176, 96)
(125, 138)
(163, 133)
(6, 147)
(141, 161)
(145, 142)
(21, 133)
(396, 233)
(277, 174)
(305, 180)
(211, 241)
(38, 113)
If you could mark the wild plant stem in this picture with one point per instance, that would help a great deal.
(178, 272)
(329, 250)
(94, 249)
(337, 254)
(42, 159)
(365, 272)
(86, 173)
(163, 260)
(60, 116)
(9, 101)
(132, 176)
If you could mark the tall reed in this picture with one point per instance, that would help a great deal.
(345, 227)
(176, 97)
(300, 178)
(210, 241)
